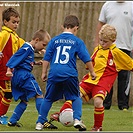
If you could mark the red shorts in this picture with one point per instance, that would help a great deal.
(90, 91)
(5, 85)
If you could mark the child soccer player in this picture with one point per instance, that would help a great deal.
(24, 85)
(61, 54)
(107, 60)
(9, 44)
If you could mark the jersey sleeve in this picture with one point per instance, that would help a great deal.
(83, 52)
(102, 16)
(122, 60)
(18, 57)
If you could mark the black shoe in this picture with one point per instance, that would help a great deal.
(82, 129)
(54, 117)
(14, 124)
(107, 107)
(49, 125)
(123, 108)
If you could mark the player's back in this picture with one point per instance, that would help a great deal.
(62, 51)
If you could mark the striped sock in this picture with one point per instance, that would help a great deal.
(98, 116)
(4, 105)
(67, 104)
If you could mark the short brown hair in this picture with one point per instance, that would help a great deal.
(108, 32)
(41, 35)
(71, 21)
(7, 13)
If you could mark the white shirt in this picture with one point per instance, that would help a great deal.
(119, 15)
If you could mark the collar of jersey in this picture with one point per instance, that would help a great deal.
(111, 47)
(67, 32)
(30, 45)
(9, 30)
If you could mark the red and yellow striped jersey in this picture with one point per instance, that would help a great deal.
(9, 44)
(107, 63)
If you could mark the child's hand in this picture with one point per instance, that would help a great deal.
(38, 62)
(93, 76)
(9, 74)
(42, 51)
(44, 77)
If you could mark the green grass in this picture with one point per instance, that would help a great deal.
(114, 119)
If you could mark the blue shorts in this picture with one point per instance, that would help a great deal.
(24, 85)
(68, 89)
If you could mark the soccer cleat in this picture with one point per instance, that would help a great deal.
(39, 126)
(49, 125)
(3, 120)
(123, 108)
(107, 108)
(14, 124)
(54, 117)
(96, 129)
(79, 125)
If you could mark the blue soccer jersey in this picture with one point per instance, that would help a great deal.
(23, 58)
(62, 52)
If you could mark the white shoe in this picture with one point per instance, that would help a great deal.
(79, 125)
(39, 126)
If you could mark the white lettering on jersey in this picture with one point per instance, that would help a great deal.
(63, 52)
(68, 41)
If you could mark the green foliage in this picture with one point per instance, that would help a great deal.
(114, 119)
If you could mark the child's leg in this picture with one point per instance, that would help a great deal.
(44, 109)
(5, 103)
(42, 121)
(67, 104)
(19, 110)
(5, 97)
(98, 112)
(39, 100)
(77, 108)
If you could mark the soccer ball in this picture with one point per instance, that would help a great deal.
(66, 117)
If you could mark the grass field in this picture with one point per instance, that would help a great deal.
(114, 120)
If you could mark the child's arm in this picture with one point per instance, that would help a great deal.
(9, 72)
(40, 61)
(44, 70)
(89, 67)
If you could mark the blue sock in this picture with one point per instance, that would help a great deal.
(38, 103)
(77, 108)
(19, 110)
(44, 110)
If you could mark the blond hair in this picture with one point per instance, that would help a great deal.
(108, 32)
